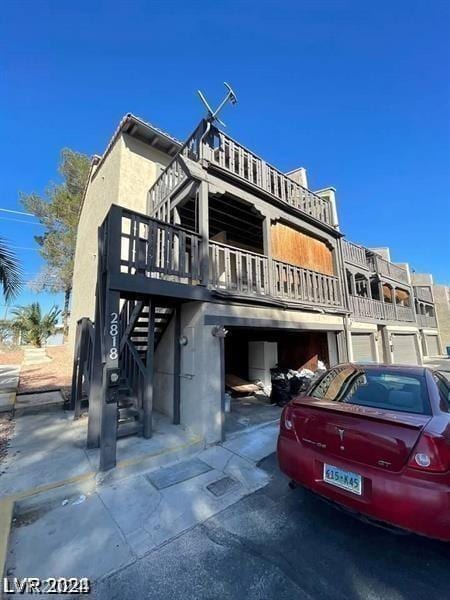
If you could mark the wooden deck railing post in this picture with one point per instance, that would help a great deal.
(203, 219)
(149, 372)
(267, 243)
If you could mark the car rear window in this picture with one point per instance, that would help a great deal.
(385, 389)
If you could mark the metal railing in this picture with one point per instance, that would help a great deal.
(383, 311)
(355, 254)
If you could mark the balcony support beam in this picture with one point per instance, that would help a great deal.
(203, 225)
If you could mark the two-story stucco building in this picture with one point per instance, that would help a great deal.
(201, 260)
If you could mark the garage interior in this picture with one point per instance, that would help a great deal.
(249, 356)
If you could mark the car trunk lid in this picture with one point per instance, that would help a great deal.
(360, 434)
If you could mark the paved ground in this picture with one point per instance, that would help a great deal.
(94, 528)
(283, 544)
(248, 412)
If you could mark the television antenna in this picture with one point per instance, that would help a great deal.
(230, 97)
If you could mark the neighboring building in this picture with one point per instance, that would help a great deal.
(211, 262)
(425, 307)
(441, 295)
(383, 326)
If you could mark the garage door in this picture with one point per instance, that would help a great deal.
(404, 349)
(362, 347)
(432, 345)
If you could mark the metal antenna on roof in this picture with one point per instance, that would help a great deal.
(213, 114)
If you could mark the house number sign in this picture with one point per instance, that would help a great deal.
(113, 332)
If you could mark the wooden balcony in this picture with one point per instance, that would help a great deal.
(234, 158)
(427, 321)
(380, 311)
(423, 294)
(151, 250)
(248, 273)
(224, 153)
(387, 269)
(354, 254)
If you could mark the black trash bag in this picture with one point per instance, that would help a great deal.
(280, 392)
(297, 385)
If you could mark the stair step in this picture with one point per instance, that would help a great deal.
(129, 428)
(128, 414)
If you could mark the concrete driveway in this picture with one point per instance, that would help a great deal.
(284, 544)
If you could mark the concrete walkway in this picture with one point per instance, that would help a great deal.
(48, 448)
(94, 528)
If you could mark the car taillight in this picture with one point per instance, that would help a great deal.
(286, 420)
(432, 453)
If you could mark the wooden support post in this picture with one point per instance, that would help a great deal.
(203, 225)
(75, 367)
(176, 367)
(111, 341)
(267, 245)
(110, 383)
(95, 391)
(394, 301)
(148, 382)
(82, 349)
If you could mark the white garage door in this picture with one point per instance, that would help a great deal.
(432, 345)
(362, 347)
(404, 349)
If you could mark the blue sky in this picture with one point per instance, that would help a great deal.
(357, 92)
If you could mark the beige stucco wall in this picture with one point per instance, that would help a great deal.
(124, 178)
(442, 305)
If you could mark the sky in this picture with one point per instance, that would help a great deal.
(356, 92)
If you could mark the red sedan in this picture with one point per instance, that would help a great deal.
(376, 440)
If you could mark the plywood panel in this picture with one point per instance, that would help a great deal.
(292, 246)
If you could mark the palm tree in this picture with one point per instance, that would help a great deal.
(10, 274)
(34, 327)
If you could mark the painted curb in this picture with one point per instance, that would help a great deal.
(6, 513)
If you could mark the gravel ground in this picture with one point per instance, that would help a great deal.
(11, 357)
(53, 375)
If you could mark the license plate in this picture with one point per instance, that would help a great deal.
(346, 480)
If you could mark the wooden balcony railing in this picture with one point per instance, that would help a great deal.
(355, 254)
(296, 283)
(156, 249)
(424, 294)
(146, 247)
(237, 270)
(427, 321)
(170, 179)
(231, 156)
(380, 311)
(388, 269)
(253, 274)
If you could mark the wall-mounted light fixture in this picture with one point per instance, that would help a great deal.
(219, 332)
(183, 341)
